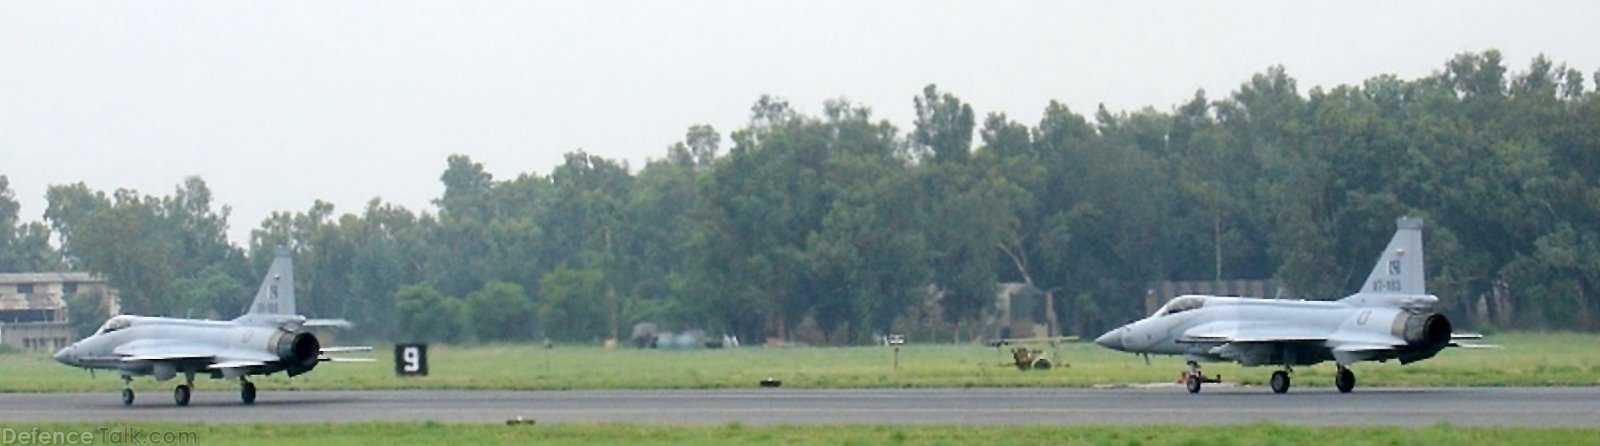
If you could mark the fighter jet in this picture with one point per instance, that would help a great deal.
(1392, 317)
(267, 339)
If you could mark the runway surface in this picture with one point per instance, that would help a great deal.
(1577, 407)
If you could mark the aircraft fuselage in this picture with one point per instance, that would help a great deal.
(1218, 330)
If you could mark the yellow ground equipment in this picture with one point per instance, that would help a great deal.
(1025, 357)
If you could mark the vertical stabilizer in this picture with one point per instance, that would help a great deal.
(276, 295)
(1399, 269)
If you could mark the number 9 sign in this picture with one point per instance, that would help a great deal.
(411, 359)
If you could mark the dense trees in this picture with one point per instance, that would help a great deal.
(847, 226)
(23, 247)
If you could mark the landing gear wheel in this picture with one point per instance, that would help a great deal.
(1041, 364)
(181, 395)
(1280, 382)
(247, 392)
(1345, 380)
(127, 397)
(1193, 378)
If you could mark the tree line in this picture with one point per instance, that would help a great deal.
(845, 226)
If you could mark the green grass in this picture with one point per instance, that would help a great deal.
(1528, 359)
(738, 434)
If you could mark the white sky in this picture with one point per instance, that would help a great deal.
(276, 104)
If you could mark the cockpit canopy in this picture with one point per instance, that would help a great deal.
(1180, 304)
(115, 323)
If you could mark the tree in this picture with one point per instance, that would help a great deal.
(23, 247)
(85, 312)
(426, 315)
(210, 294)
(844, 220)
(124, 242)
(500, 312)
(944, 125)
(69, 208)
(703, 141)
(1006, 138)
(573, 305)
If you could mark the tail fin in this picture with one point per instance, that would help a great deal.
(276, 295)
(1399, 271)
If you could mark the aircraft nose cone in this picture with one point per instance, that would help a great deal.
(1112, 339)
(64, 356)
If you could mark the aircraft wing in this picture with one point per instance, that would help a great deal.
(1354, 348)
(169, 350)
(160, 349)
(1234, 332)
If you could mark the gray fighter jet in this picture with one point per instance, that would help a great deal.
(1392, 317)
(267, 339)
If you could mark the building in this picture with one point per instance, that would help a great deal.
(33, 308)
(1160, 292)
(1020, 311)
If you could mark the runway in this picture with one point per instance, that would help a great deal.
(1574, 407)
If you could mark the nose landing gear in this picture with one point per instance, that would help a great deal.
(1194, 377)
(127, 390)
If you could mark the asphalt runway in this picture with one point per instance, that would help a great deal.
(1577, 407)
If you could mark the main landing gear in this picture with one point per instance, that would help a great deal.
(1345, 380)
(1280, 380)
(1194, 377)
(182, 393)
(247, 391)
(185, 392)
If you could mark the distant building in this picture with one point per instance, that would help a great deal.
(33, 308)
(1019, 311)
(1161, 292)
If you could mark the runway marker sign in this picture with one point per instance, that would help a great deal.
(411, 359)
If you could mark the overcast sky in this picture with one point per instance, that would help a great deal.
(276, 104)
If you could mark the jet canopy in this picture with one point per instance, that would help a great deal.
(115, 323)
(1180, 304)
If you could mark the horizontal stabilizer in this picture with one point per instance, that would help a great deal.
(327, 323)
(1475, 346)
(348, 349)
(326, 358)
(1461, 336)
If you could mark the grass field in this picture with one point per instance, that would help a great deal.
(1556, 359)
(736, 434)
